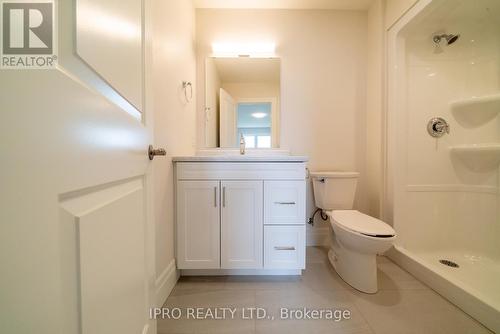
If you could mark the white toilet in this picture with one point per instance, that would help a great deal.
(357, 238)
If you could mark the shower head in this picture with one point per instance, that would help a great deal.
(450, 39)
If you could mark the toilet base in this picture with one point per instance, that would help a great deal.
(356, 269)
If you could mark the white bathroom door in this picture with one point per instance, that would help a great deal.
(241, 224)
(76, 232)
(228, 119)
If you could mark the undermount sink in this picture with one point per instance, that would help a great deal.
(233, 155)
(249, 152)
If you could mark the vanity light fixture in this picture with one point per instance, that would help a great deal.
(253, 50)
(259, 114)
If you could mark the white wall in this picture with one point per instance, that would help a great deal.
(251, 90)
(374, 106)
(175, 120)
(323, 70)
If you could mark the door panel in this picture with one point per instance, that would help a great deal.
(227, 120)
(109, 39)
(111, 246)
(198, 224)
(64, 142)
(241, 224)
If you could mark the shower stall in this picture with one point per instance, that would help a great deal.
(443, 150)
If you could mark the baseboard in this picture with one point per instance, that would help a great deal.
(242, 272)
(317, 236)
(165, 283)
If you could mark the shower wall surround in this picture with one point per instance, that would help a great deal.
(444, 192)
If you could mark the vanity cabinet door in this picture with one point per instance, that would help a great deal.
(198, 225)
(241, 224)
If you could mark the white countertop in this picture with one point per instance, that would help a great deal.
(240, 158)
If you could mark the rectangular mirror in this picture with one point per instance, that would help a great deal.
(242, 97)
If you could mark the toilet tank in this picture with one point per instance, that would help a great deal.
(334, 190)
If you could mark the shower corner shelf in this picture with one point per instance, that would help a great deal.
(478, 157)
(485, 104)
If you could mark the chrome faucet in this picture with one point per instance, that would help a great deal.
(242, 144)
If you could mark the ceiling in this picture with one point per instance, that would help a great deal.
(286, 4)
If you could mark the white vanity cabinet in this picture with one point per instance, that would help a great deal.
(240, 217)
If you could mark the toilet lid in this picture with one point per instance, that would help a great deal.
(361, 223)
(336, 175)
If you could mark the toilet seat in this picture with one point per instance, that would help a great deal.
(360, 223)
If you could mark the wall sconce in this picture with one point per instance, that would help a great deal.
(253, 50)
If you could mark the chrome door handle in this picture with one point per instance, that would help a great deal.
(285, 203)
(215, 197)
(152, 152)
(223, 197)
(284, 248)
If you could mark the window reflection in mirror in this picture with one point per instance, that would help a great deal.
(242, 97)
(254, 123)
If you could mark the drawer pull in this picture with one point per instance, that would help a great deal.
(284, 248)
(285, 203)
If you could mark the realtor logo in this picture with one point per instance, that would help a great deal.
(27, 34)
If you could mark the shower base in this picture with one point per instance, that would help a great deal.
(473, 286)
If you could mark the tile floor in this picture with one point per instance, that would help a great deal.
(403, 304)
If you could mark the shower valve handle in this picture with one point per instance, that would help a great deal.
(440, 127)
(437, 127)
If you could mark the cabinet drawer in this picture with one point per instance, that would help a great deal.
(284, 202)
(284, 247)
